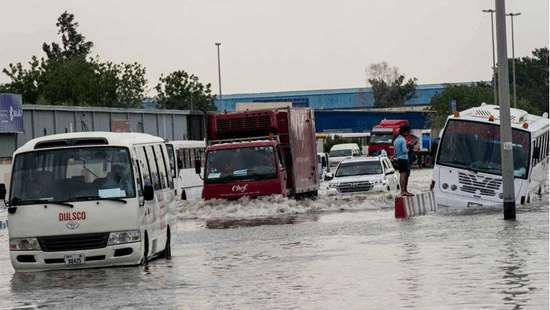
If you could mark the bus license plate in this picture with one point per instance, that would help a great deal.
(74, 259)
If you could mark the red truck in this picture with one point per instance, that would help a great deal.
(383, 134)
(260, 153)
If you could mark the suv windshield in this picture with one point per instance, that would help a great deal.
(476, 146)
(359, 168)
(340, 153)
(239, 164)
(72, 174)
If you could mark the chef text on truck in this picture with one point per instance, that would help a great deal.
(260, 153)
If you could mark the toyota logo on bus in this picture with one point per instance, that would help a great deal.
(72, 225)
(239, 189)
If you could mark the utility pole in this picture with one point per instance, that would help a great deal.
(506, 146)
(219, 71)
(494, 64)
(513, 58)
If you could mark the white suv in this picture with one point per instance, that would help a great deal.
(365, 174)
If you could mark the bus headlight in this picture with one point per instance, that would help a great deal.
(24, 244)
(119, 237)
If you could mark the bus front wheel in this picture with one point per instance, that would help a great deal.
(145, 249)
(167, 249)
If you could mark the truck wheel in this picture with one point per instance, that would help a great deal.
(313, 195)
(167, 253)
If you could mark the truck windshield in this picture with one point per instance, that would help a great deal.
(72, 174)
(248, 163)
(381, 138)
(359, 168)
(476, 146)
(340, 153)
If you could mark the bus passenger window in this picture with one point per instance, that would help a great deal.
(153, 168)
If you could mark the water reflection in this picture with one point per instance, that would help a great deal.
(225, 223)
(409, 261)
(515, 280)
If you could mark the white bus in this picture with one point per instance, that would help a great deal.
(188, 153)
(90, 199)
(467, 171)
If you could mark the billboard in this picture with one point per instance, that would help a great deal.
(11, 113)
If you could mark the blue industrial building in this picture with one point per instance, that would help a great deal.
(343, 110)
(363, 120)
(345, 98)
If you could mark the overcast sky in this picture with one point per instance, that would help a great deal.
(275, 45)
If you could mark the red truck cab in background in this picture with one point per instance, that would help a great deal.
(383, 134)
(261, 153)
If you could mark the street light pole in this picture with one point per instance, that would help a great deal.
(513, 58)
(506, 146)
(219, 71)
(494, 64)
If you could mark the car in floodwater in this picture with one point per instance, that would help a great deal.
(364, 175)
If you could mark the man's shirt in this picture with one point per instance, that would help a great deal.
(400, 147)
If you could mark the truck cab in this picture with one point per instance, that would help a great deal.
(234, 170)
(261, 153)
(382, 136)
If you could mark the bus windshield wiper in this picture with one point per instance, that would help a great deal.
(91, 197)
(19, 202)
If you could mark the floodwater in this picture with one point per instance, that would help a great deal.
(329, 254)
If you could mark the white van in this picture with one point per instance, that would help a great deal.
(90, 199)
(339, 152)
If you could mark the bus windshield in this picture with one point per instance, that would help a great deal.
(72, 174)
(476, 146)
(239, 164)
(359, 168)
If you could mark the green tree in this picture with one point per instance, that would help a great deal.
(532, 80)
(68, 75)
(389, 86)
(179, 90)
(465, 95)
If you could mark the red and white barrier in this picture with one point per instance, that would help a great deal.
(419, 204)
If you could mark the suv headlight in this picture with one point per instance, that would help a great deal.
(333, 185)
(24, 244)
(119, 237)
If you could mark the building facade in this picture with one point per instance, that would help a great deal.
(40, 120)
(327, 99)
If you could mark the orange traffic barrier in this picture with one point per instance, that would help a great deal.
(419, 204)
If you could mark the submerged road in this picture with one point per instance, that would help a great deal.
(329, 254)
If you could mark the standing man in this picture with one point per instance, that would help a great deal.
(402, 155)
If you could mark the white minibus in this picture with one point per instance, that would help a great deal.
(467, 172)
(90, 199)
(188, 153)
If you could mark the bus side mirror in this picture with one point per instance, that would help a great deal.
(2, 191)
(148, 192)
(197, 166)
